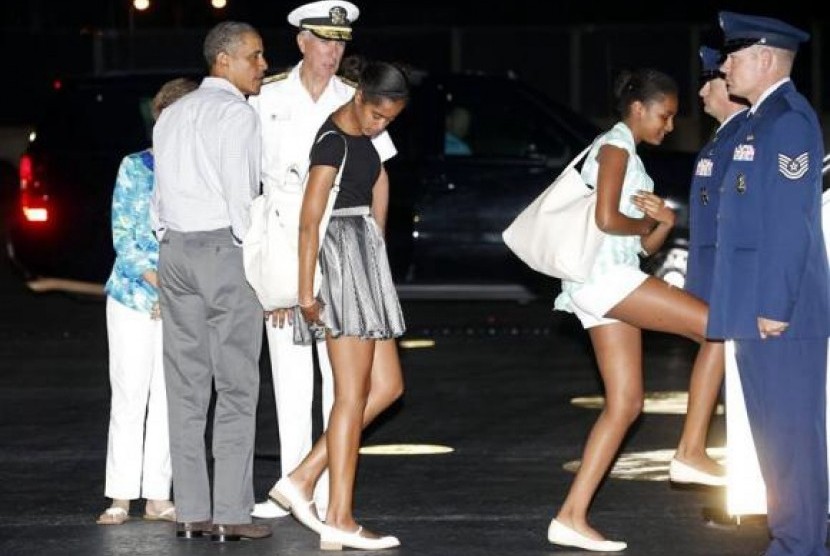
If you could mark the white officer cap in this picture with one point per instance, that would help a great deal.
(327, 19)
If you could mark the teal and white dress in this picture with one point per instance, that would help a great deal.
(616, 271)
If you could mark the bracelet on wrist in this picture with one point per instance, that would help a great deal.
(307, 305)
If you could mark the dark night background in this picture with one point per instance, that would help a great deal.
(47, 39)
(52, 14)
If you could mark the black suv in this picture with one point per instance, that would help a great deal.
(60, 234)
(473, 151)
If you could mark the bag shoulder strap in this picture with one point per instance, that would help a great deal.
(345, 154)
(578, 158)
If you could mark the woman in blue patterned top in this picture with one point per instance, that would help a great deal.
(618, 300)
(138, 449)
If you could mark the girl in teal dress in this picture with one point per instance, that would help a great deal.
(618, 300)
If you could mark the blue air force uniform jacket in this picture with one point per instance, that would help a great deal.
(704, 201)
(770, 259)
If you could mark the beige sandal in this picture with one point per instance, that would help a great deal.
(114, 515)
(168, 514)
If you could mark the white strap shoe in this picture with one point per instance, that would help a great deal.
(289, 497)
(269, 510)
(683, 473)
(565, 536)
(335, 539)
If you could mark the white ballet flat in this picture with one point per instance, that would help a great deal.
(683, 473)
(269, 510)
(335, 539)
(565, 536)
(289, 497)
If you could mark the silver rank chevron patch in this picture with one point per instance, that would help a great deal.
(793, 168)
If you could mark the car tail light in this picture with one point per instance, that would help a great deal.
(34, 202)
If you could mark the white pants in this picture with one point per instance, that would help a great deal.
(138, 449)
(292, 369)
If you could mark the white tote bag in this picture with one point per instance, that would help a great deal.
(557, 233)
(270, 249)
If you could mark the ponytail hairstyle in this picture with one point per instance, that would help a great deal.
(645, 85)
(381, 81)
(350, 68)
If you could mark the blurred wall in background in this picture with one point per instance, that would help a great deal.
(575, 65)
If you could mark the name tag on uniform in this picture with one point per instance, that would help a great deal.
(704, 167)
(745, 153)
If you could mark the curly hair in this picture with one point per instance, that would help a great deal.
(170, 92)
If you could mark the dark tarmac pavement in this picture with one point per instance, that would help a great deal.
(496, 388)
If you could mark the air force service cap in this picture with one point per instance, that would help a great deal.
(326, 19)
(741, 31)
(710, 62)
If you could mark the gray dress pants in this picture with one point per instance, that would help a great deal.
(212, 335)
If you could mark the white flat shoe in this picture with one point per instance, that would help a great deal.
(269, 510)
(286, 495)
(682, 473)
(565, 536)
(335, 539)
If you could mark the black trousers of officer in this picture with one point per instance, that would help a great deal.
(784, 384)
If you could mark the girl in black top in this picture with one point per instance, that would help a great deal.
(357, 308)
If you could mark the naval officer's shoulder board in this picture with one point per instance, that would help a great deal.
(276, 77)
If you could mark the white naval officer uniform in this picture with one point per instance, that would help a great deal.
(290, 119)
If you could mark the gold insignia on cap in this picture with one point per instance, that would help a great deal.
(330, 32)
(326, 19)
(338, 16)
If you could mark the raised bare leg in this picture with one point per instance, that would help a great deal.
(658, 306)
(704, 387)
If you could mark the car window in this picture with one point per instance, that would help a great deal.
(500, 120)
(98, 119)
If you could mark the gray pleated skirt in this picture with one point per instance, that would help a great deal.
(357, 292)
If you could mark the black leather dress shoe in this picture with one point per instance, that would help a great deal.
(193, 529)
(225, 533)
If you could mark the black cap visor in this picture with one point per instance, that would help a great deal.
(734, 45)
(706, 76)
